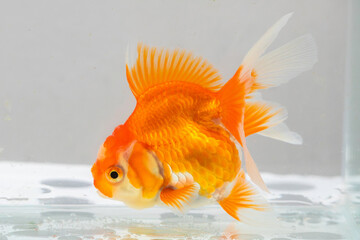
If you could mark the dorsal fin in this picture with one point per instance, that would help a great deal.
(155, 66)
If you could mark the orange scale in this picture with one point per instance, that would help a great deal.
(226, 176)
(216, 169)
(196, 176)
(212, 180)
(182, 167)
(203, 183)
(201, 142)
(211, 189)
(225, 165)
(174, 155)
(211, 167)
(174, 167)
(200, 164)
(213, 144)
(203, 171)
(167, 157)
(214, 166)
(219, 159)
(185, 150)
(195, 164)
(180, 153)
(227, 155)
(183, 153)
(188, 166)
(208, 156)
(160, 155)
(212, 149)
(219, 183)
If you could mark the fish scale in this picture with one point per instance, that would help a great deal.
(191, 136)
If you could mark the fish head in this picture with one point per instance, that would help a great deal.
(113, 172)
(111, 166)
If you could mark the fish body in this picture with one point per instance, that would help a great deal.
(178, 121)
(178, 147)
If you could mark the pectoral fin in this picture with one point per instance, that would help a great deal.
(177, 198)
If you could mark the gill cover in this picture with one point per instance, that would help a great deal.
(145, 170)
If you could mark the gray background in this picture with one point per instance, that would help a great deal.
(63, 86)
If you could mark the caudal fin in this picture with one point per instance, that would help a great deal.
(267, 119)
(241, 114)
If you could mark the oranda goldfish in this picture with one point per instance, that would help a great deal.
(178, 147)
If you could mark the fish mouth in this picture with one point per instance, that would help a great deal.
(101, 185)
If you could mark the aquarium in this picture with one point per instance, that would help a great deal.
(63, 90)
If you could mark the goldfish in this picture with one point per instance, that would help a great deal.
(185, 142)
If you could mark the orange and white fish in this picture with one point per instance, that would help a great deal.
(178, 146)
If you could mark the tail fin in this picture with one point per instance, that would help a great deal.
(284, 63)
(242, 117)
(252, 57)
(267, 119)
(242, 198)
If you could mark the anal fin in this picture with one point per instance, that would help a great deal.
(242, 197)
(177, 198)
(251, 167)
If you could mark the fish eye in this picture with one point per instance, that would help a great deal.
(114, 174)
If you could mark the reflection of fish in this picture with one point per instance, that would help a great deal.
(230, 233)
(176, 147)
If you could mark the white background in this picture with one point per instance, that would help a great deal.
(63, 86)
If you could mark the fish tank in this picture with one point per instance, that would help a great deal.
(63, 90)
